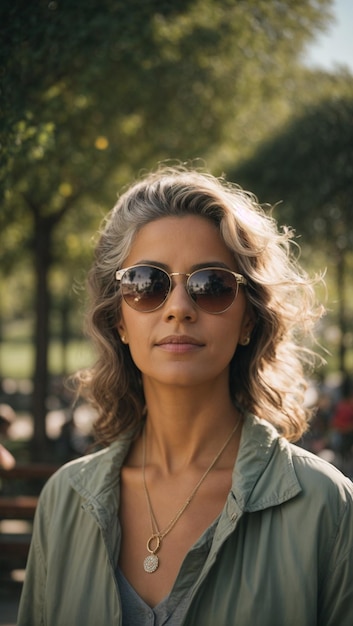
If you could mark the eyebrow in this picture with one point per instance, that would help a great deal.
(193, 268)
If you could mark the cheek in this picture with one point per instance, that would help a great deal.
(141, 352)
(229, 333)
(136, 331)
(228, 346)
(224, 339)
(127, 323)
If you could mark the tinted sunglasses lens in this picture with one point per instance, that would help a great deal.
(213, 290)
(144, 288)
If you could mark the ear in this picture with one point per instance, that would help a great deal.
(247, 327)
(249, 323)
(122, 331)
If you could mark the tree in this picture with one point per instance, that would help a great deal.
(309, 166)
(94, 91)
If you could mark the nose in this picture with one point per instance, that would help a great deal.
(179, 305)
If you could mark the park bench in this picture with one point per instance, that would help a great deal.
(20, 488)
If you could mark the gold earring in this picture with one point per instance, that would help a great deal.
(245, 341)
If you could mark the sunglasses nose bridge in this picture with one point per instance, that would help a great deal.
(183, 282)
(172, 274)
(178, 274)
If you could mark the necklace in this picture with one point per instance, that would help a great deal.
(154, 542)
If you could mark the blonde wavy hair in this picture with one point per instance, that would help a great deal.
(267, 376)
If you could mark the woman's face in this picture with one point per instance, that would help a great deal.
(179, 344)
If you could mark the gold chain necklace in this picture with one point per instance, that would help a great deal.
(151, 562)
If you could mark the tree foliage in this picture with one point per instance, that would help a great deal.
(309, 165)
(101, 85)
(308, 168)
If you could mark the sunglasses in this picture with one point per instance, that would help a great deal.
(145, 288)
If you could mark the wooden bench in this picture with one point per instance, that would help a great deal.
(17, 510)
(18, 507)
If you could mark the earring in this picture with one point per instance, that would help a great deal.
(123, 338)
(245, 341)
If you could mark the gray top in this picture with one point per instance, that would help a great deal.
(137, 613)
(172, 609)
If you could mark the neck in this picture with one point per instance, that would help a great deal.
(185, 428)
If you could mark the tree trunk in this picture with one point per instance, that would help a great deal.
(65, 334)
(43, 258)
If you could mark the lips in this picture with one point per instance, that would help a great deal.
(179, 340)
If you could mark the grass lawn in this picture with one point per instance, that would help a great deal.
(16, 358)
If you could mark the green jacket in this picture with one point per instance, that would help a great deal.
(281, 555)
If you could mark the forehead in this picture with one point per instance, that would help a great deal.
(187, 239)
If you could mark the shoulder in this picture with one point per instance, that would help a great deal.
(323, 486)
(87, 476)
(66, 472)
(313, 470)
(271, 471)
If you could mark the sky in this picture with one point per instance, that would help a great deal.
(336, 45)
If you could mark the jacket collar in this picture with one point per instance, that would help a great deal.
(96, 477)
(263, 474)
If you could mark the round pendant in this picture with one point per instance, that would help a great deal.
(151, 563)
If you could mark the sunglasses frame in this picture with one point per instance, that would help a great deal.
(240, 280)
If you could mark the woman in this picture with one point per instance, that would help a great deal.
(198, 510)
